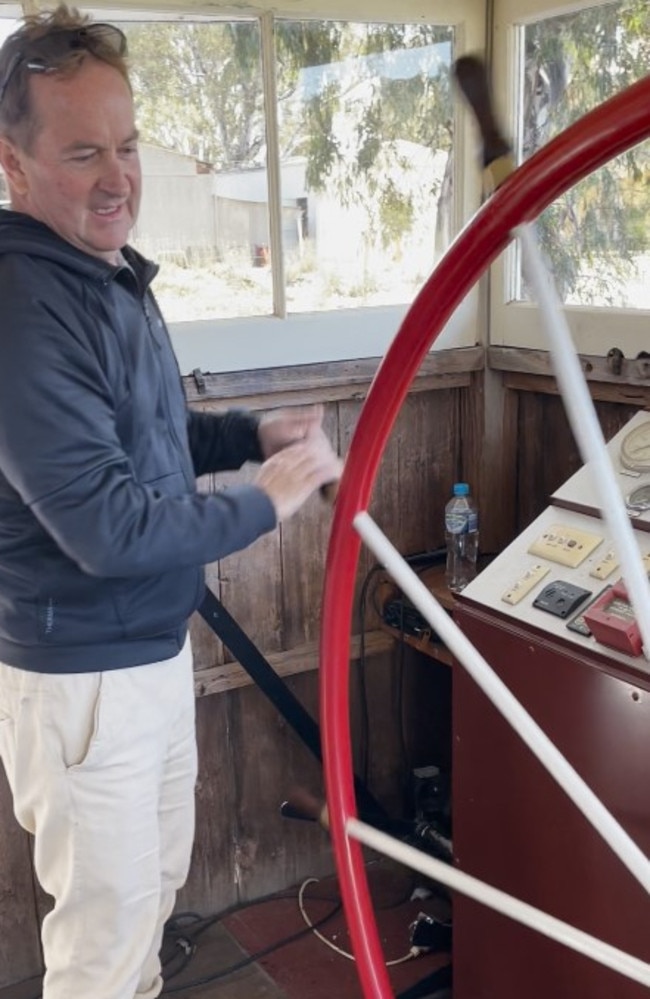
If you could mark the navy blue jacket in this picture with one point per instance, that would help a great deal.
(103, 534)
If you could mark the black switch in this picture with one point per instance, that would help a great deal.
(560, 598)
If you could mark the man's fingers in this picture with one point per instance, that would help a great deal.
(286, 427)
(290, 476)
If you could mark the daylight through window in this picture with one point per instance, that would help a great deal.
(364, 122)
(596, 236)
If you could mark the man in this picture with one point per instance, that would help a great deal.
(103, 534)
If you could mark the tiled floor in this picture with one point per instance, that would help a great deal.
(288, 960)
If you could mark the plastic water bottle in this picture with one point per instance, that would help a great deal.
(461, 534)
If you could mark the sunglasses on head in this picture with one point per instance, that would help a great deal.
(42, 55)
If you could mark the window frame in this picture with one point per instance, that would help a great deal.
(298, 338)
(595, 330)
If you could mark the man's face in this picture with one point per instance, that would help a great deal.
(81, 176)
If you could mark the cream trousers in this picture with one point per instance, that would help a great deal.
(102, 767)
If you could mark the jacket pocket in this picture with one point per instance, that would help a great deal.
(158, 604)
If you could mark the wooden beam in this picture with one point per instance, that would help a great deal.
(329, 382)
(302, 659)
(628, 395)
(628, 382)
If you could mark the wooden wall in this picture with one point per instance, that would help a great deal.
(505, 431)
(249, 757)
(535, 433)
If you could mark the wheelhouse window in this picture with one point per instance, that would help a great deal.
(303, 173)
(204, 213)
(596, 236)
(363, 117)
(550, 69)
(365, 127)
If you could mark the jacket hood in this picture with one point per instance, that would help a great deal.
(20, 233)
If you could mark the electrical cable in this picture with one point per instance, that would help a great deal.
(412, 953)
(251, 958)
(418, 559)
(185, 928)
(186, 941)
(400, 649)
(206, 922)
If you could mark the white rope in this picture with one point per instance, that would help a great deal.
(551, 927)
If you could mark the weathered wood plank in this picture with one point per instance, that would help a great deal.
(472, 420)
(632, 381)
(377, 712)
(348, 414)
(430, 455)
(498, 458)
(211, 883)
(308, 396)
(20, 953)
(624, 395)
(548, 453)
(272, 851)
(251, 594)
(301, 659)
(330, 381)
(304, 540)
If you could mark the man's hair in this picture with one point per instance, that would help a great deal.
(18, 120)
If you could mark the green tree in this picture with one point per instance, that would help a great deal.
(343, 104)
(357, 99)
(198, 89)
(573, 63)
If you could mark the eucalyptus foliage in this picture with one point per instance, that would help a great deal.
(357, 101)
(344, 103)
(574, 62)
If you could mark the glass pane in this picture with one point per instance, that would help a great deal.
(7, 25)
(596, 237)
(365, 131)
(204, 215)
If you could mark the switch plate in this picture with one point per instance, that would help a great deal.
(606, 566)
(565, 545)
(525, 584)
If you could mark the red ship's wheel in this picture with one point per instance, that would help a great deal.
(604, 133)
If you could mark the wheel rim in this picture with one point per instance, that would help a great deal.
(614, 127)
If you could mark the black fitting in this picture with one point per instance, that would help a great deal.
(429, 934)
(615, 358)
(199, 380)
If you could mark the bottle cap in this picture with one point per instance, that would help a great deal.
(461, 489)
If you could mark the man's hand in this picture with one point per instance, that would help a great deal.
(291, 475)
(285, 427)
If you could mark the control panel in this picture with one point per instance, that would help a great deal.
(565, 544)
(562, 576)
(561, 598)
(527, 582)
(611, 621)
(629, 453)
